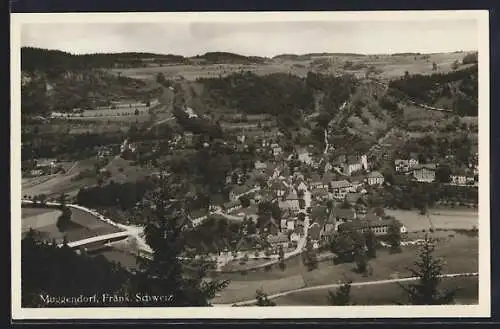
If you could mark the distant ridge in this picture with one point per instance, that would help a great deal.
(311, 55)
(48, 59)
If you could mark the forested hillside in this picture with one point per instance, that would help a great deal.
(457, 90)
(53, 80)
(55, 61)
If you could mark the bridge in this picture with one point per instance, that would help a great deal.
(100, 238)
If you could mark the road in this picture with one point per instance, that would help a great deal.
(337, 285)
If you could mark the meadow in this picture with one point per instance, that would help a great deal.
(460, 253)
(383, 294)
(388, 66)
(84, 225)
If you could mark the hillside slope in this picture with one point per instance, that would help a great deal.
(42, 92)
(456, 91)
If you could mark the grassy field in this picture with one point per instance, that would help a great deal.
(389, 67)
(38, 218)
(441, 219)
(383, 294)
(459, 252)
(84, 225)
(61, 183)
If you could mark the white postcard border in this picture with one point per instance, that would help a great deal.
(278, 312)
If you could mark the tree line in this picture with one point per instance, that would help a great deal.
(33, 59)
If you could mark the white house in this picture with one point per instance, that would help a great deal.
(375, 178)
(354, 163)
(404, 165)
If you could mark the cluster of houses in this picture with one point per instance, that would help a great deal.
(427, 172)
(288, 188)
(45, 167)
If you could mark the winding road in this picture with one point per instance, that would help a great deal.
(337, 285)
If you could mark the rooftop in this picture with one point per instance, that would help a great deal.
(363, 223)
(348, 214)
(429, 166)
(340, 184)
(375, 174)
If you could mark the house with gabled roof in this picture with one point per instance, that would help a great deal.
(300, 185)
(462, 176)
(314, 232)
(374, 178)
(319, 214)
(276, 240)
(232, 206)
(297, 234)
(340, 189)
(290, 201)
(424, 172)
(279, 187)
(320, 194)
(378, 227)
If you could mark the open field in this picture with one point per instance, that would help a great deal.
(44, 221)
(38, 218)
(383, 294)
(60, 183)
(389, 67)
(460, 253)
(441, 219)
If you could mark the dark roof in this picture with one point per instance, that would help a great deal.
(318, 212)
(320, 191)
(430, 166)
(351, 159)
(314, 231)
(340, 184)
(231, 204)
(240, 189)
(353, 197)
(375, 174)
(362, 223)
(461, 172)
(315, 177)
(344, 213)
(371, 217)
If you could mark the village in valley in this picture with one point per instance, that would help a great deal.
(296, 171)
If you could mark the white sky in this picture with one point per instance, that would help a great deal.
(259, 39)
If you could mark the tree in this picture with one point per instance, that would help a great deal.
(136, 112)
(64, 220)
(263, 299)
(245, 201)
(160, 78)
(310, 258)
(428, 269)
(163, 275)
(361, 260)
(434, 66)
(371, 244)
(394, 237)
(342, 296)
(443, 174)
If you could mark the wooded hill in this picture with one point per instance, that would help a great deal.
(457, 90)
